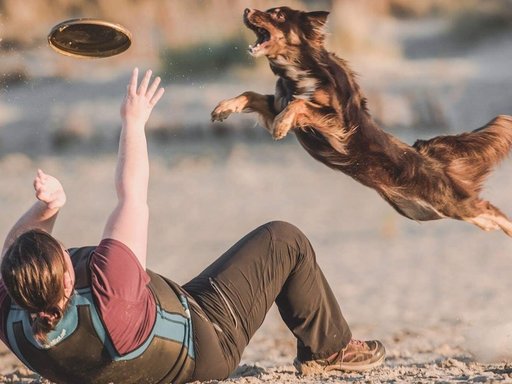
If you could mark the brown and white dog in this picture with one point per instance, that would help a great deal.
(317, 96)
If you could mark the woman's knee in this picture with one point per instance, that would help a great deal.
(296, 245)
(284, 231)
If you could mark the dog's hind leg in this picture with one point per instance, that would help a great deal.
(247, 102)
(491, 218)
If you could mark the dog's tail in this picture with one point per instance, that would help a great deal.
(470, 157)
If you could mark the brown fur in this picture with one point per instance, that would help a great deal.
(318, 98)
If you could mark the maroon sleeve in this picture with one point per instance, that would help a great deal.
(4, 303)
(120, 287)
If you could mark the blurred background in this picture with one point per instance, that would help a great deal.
(428, 67)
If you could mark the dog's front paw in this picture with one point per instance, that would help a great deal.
(281, 127)
(224, 109)
(220, 113)
(278, 134)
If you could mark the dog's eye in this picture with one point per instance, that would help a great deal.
(278, 15)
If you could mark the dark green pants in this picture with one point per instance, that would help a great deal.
(230, 298)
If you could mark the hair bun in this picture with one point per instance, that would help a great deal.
(45, 316)
(46, 321)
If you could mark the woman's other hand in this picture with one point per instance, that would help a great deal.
(49, 190)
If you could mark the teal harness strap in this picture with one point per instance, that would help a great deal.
(15, 316)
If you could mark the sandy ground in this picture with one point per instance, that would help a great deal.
(437, 294)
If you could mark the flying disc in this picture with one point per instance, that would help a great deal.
(89, 38)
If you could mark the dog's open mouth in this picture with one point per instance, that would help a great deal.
(263, 37)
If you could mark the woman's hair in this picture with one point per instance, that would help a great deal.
(33, 272)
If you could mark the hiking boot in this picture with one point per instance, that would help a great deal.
(356, 356)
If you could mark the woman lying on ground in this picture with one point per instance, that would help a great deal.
(96, 315)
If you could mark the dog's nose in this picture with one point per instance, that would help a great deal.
(247, 11)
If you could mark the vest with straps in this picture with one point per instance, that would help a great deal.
(79, 350)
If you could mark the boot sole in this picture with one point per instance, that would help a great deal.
(312, 367)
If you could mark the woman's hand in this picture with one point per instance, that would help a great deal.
(49, 190)
(139, 102)
(42, 213)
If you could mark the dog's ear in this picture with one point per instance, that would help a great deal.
(317, 18)
(314, 27)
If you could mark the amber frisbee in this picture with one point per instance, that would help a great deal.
(89, 38)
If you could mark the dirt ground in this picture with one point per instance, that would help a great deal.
(437, 293)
